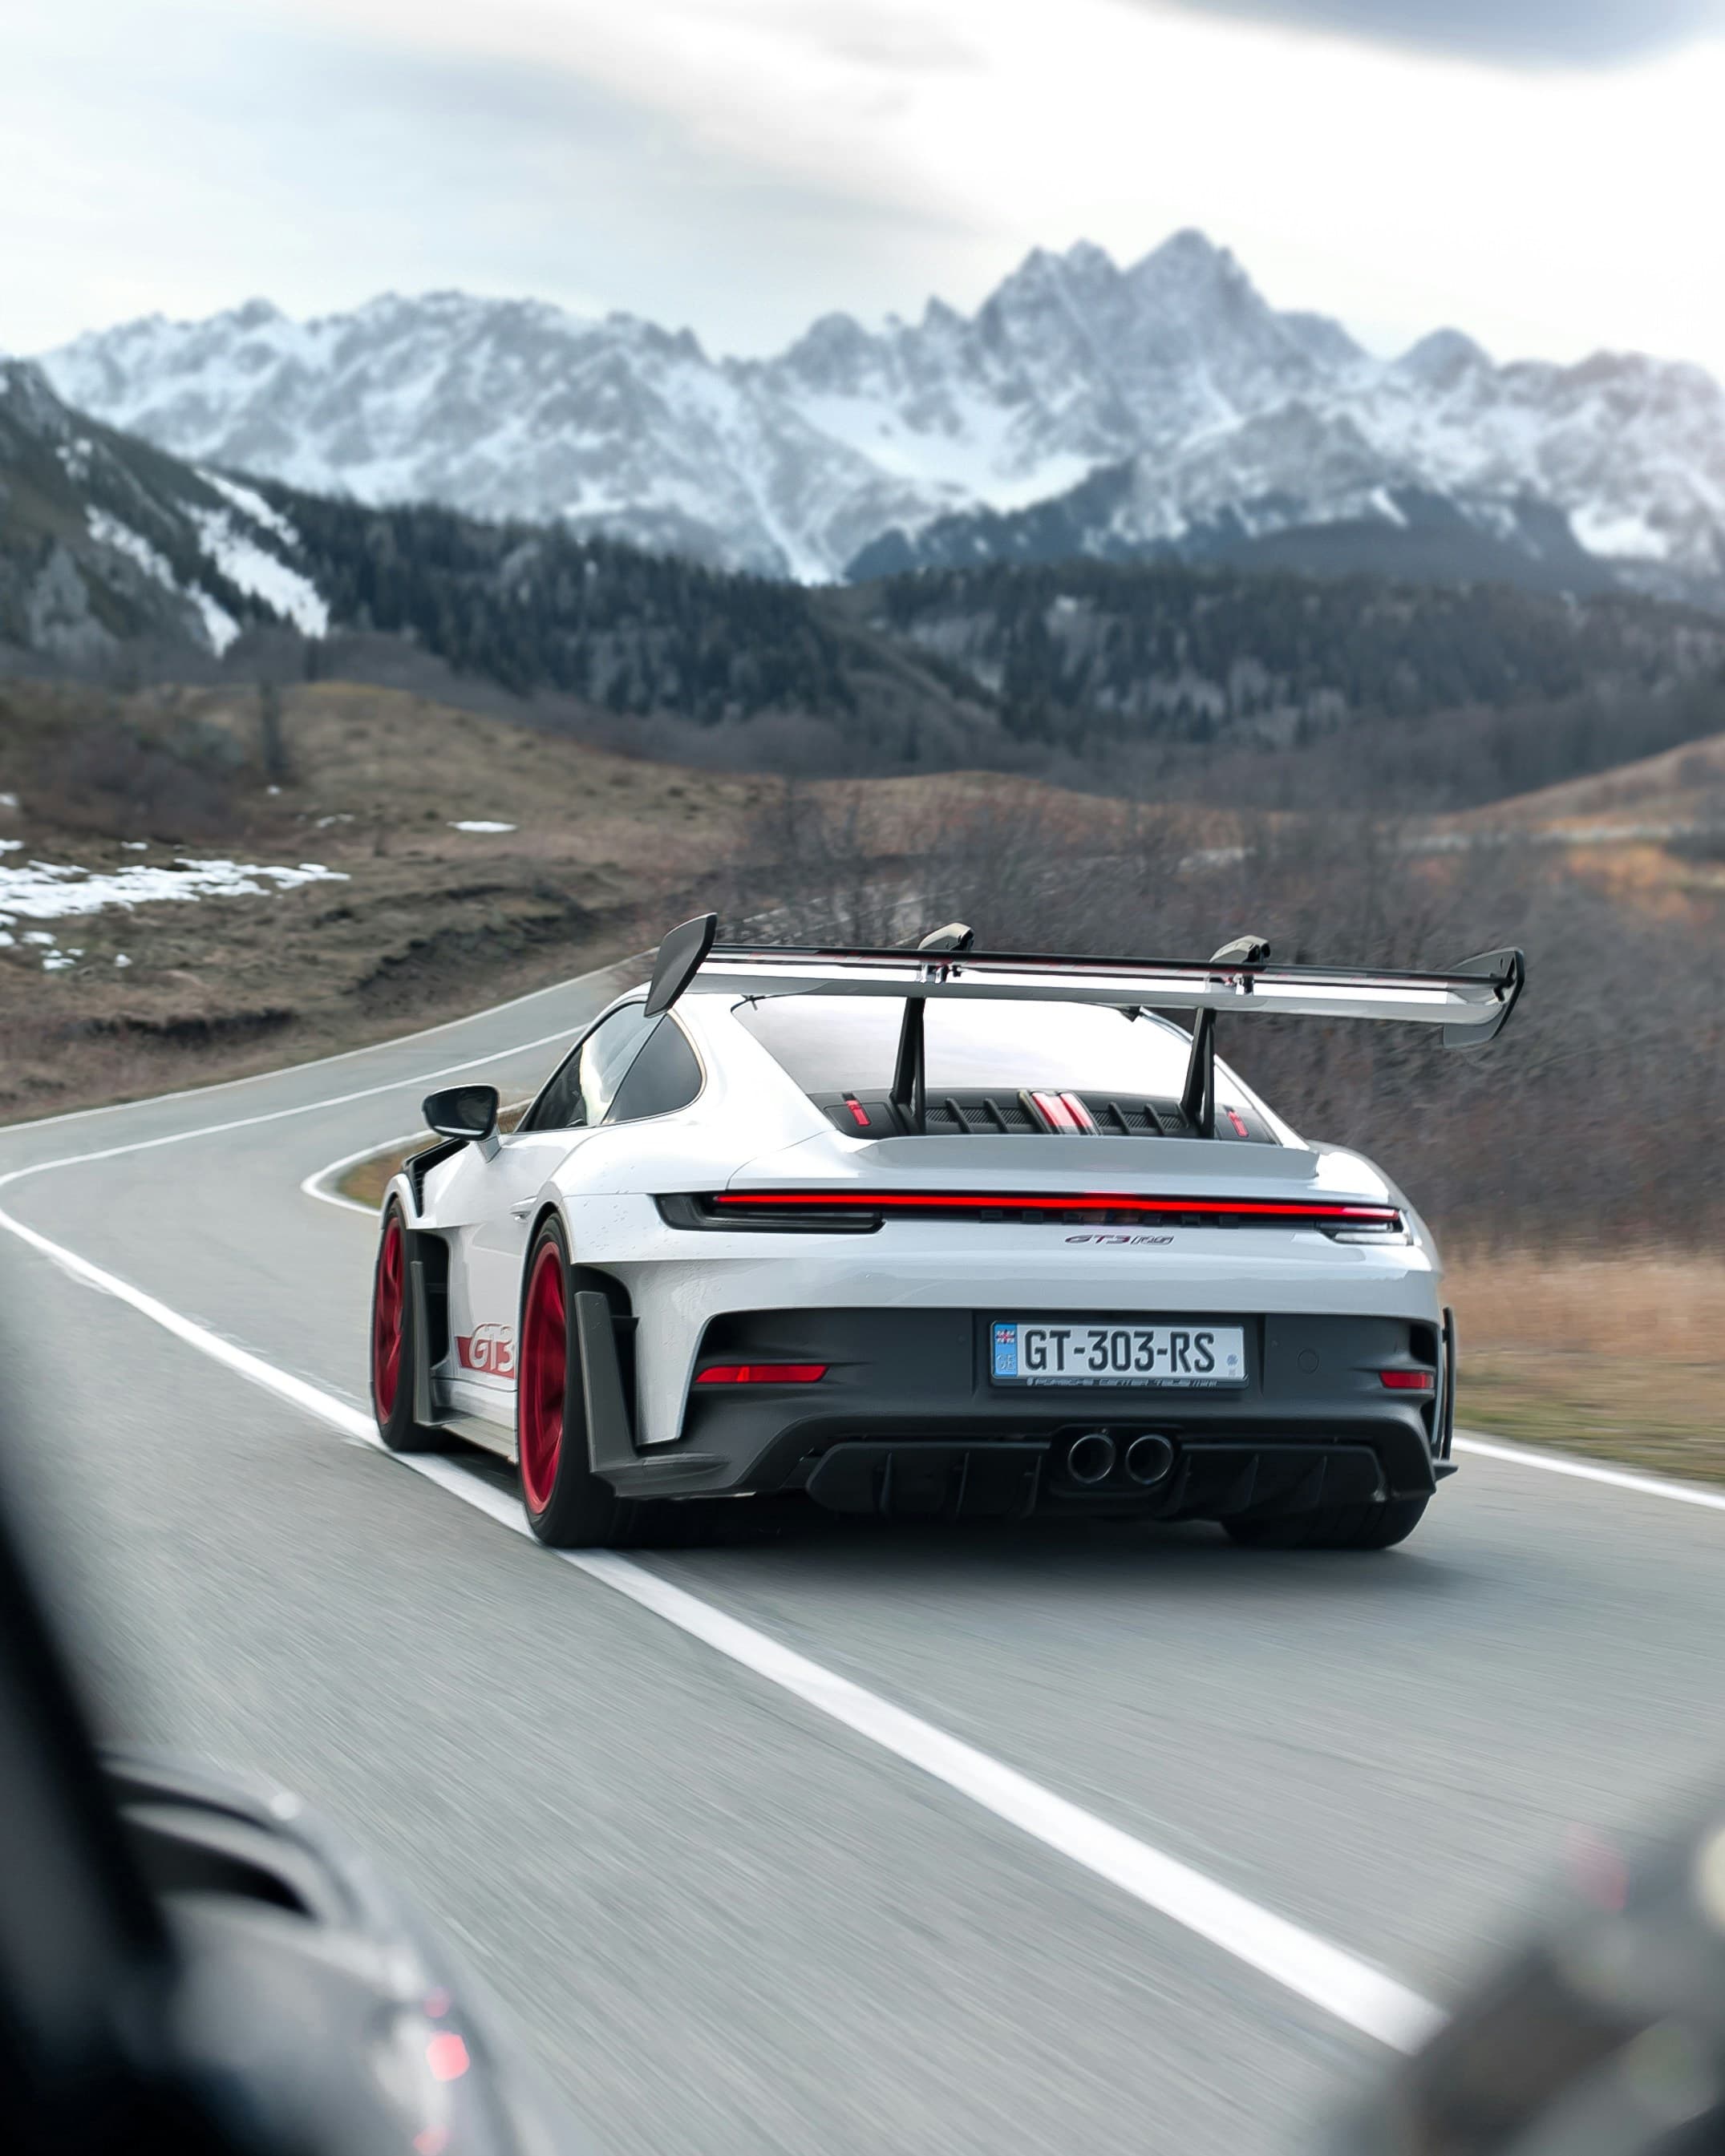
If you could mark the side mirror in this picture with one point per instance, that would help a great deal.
(464, 1111)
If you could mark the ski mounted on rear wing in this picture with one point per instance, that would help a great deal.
(1472, 1002)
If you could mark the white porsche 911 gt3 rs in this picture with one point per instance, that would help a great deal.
(929, 1232)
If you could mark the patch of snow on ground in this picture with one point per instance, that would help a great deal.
(1628, 535)
(255, 570)
(220, 626)
(252, 505)
(109, 532)
(8, 801)
(476, 825)
(46, 891)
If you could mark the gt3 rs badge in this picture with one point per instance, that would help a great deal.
(489, 1349)
(1121, 1242)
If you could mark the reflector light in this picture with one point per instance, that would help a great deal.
(763, 1373)
(859, 1114)
(1410, 1381)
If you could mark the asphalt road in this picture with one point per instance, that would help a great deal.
(728, 1922)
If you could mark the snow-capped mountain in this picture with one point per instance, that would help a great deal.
(103, 540)
(1163, 407)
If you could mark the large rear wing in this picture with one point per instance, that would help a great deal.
(1472, 1002)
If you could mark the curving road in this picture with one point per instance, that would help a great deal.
(1046, 1838)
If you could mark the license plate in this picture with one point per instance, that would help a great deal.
(1081, 1351)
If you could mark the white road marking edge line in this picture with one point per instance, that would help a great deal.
(321, 1181)
(1614, 1478)
(1325, 1976)
(283, 1115)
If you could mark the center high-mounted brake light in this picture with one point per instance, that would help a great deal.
(1063, 1112)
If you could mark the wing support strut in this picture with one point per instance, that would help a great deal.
(909, 1082)
(1197, 1096)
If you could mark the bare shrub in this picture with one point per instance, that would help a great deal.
(1599, 1114)
(105, 775)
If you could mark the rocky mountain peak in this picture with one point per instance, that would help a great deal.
(1225, 415)
(1439, 360)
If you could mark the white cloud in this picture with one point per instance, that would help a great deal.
(744, 164)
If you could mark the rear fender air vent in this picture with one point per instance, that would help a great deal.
(418, 1165)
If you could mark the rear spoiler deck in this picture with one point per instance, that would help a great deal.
(1472, 1002)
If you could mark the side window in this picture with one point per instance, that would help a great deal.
(583, 1089)
(664, 1077)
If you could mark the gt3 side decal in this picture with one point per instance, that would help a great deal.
(489, 1350)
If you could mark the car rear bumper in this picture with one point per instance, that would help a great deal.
(907, 1420)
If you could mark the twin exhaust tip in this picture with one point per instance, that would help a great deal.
(1092, 1458)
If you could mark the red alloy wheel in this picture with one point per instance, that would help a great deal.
(388, 1304)
(545, 1360)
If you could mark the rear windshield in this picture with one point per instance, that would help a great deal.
(849, 1044)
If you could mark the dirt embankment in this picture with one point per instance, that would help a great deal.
(570, 858)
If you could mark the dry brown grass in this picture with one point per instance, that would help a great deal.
(1653, 789)
(1618, 1354)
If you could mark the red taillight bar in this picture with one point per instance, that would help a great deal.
(1410, 1381)
(1084, 1201)
(763, 1373)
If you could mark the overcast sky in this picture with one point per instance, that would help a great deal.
(1543, 173)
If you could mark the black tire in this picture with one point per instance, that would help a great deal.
(567, 1505)
(394, 1340)
(1340, 1527)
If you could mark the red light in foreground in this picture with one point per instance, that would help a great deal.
(446, 2055)
(1410, 1381)
(859, 1114)
(763, 1373)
